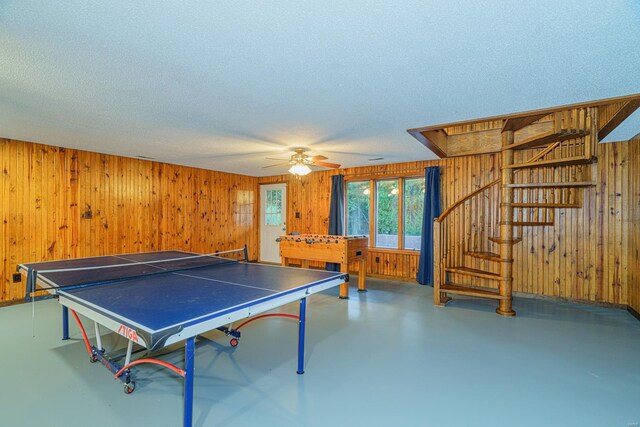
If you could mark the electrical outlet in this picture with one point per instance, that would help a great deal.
(377, 260)
(297, 214)
(17, 277)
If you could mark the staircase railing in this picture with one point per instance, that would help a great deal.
(464, 226)
(455, 232)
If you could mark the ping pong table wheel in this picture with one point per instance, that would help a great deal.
(93, 358)
(234, 342)
(128, 388)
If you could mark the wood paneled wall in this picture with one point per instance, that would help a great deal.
(590, 254)
(634, 225)
(310, 195)
(136, 205)
(584, 255)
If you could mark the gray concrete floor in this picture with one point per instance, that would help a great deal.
(387, 357)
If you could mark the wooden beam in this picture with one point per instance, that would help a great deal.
(489, 140)
(618, 118)
(505, 286)
(435, 141)
(517, 123)
(472, 143)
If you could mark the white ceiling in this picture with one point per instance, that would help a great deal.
(223, 84)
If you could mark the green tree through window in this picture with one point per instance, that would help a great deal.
(386, 215)
(413, 211)
(358, 208)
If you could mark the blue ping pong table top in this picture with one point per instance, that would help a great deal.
(175, 298)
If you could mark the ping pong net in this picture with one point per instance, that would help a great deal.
(116, 268)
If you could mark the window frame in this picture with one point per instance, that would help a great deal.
(373, 208)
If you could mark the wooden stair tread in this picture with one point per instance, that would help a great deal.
(546, 205)
(546, 139)
(499, 240)
(565, 161)
(552, 184)
(471, 291)
(491, 256)
(468, 271)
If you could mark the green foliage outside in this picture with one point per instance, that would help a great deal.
(387, 207)
(357, 208)
(413, 206)
(387, 214)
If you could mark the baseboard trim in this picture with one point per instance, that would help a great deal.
(570, 300)
(633, 312)
(12, 302)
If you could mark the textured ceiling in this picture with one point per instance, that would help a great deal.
(221, 85)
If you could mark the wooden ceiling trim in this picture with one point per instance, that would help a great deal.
(482, 136)
(545, 111)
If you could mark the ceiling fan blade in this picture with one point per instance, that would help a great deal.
(277, 164)
(273, 158)
(314, 158)
(327, 165)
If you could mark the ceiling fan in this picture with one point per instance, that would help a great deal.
(300, 162)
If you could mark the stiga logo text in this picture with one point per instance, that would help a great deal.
(128, 333)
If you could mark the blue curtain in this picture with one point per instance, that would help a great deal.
(336, 212)
(432, 210)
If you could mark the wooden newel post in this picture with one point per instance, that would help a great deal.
(505, 286)
(437, 260)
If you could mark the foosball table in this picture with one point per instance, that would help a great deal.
(326, 248)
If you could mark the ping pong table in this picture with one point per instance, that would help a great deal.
(156, 299)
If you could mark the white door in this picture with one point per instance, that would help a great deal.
(273, 217)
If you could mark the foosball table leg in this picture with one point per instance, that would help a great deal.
(362, 272)
(344, 288)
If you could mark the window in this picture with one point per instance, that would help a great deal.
(387, 214)
(358, 208)
(396, 217)
(273, 208)
(413, 210)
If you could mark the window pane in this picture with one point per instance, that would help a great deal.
(273, 208)
(268, 204)
(387, 214)
(358, 208)
(413, 210)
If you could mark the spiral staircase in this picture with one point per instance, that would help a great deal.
(546, 163)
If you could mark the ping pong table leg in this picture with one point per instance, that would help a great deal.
(65, 323)
(189, 351)
(301, 324)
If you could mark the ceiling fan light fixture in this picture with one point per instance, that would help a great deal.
(300, 169)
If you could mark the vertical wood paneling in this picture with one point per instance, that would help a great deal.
(591, 253)
(136, 205)
(633, 240)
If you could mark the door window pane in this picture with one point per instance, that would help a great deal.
(358, 208)
(273, 208)
(413, 210)
(387, 214)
